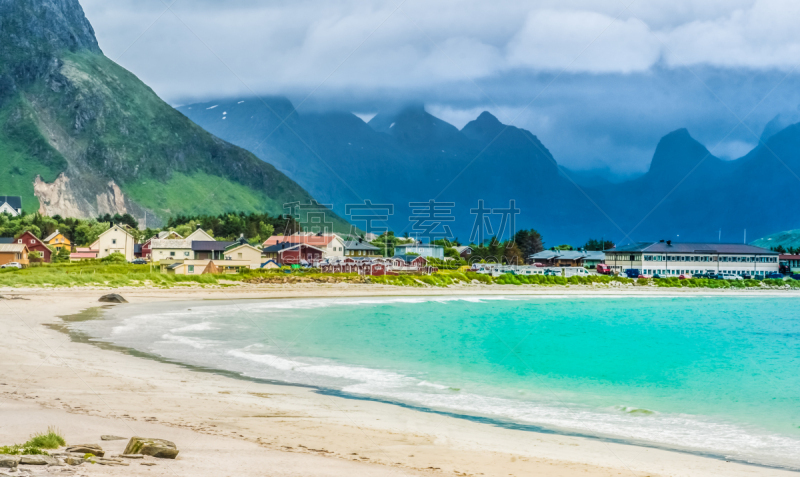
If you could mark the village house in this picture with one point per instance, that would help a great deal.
(57, 240)
(83, 253)
(210, 249)
(288, 253)
(464, 251)
(199, 267)
(114, 240)
(360, 248)
(147, 247)
(331, 244)
(11, 204)
(568, 258)
(14, 252)
(421, 249)
(35, 245)
(360, 265)
(177, 248)
(246, 252)
(407, 264)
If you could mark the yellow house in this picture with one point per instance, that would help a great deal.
(58, 241)
(14, 252)
(245, 252)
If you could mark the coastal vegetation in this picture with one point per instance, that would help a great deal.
(36, 445)
(113, 272)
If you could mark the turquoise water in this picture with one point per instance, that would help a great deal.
(716, 375)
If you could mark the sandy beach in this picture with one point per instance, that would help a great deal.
(225, 426)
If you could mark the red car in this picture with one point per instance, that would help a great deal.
(683, 277)
(603, 269)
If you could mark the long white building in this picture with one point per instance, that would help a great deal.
(673, 259)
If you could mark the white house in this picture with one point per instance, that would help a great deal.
(177, 248)
(116, 239)
(246, 252)
(421, 249)
(11, 204)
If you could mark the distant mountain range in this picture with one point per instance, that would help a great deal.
(80, 136)
(412, 156)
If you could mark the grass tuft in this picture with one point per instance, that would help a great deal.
(52, 439)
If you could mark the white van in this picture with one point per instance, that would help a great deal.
(574, 272)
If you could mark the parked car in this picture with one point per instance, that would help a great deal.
(632, 273)
(603, 269)
(139, 261)
(701, 275)
(11, 265)
(656, 275)
(795, 276)
(778, 276)
(683, 277)
(729, 276)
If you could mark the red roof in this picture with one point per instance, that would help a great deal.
(316, 240)
(789, 257)
(83, 255)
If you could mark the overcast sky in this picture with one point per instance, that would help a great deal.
(598, 81)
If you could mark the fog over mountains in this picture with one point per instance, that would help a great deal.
(412, 156)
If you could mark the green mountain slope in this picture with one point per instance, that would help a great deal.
(81, 136)
(787, 239)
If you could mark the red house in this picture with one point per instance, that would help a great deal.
(35, 245)
(286, 253)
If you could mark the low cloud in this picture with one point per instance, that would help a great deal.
(598, 82)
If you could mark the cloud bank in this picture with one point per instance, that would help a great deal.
(586, 68)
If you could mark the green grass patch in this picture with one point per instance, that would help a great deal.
(52, 439)
(36, 445)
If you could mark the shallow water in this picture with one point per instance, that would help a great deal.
(716, 375)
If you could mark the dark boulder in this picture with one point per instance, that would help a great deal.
(112, 298)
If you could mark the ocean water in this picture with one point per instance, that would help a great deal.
(712, 375)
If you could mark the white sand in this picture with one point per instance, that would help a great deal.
(225, 426)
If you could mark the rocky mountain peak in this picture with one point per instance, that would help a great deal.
(39, 26)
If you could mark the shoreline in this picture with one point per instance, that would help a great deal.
(80, 337)
(372, 429)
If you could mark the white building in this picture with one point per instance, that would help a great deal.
(177, 248)
(114, 240)
(673, 259)
(421, 249)
(11, 204)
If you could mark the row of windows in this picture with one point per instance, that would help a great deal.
(172, 254)
(684, 272)
(699, 258)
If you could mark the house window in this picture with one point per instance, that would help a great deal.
(172, 254)
(113, 241)
(19, 241)
(191, 268)
(185, 254)
(33, 241)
